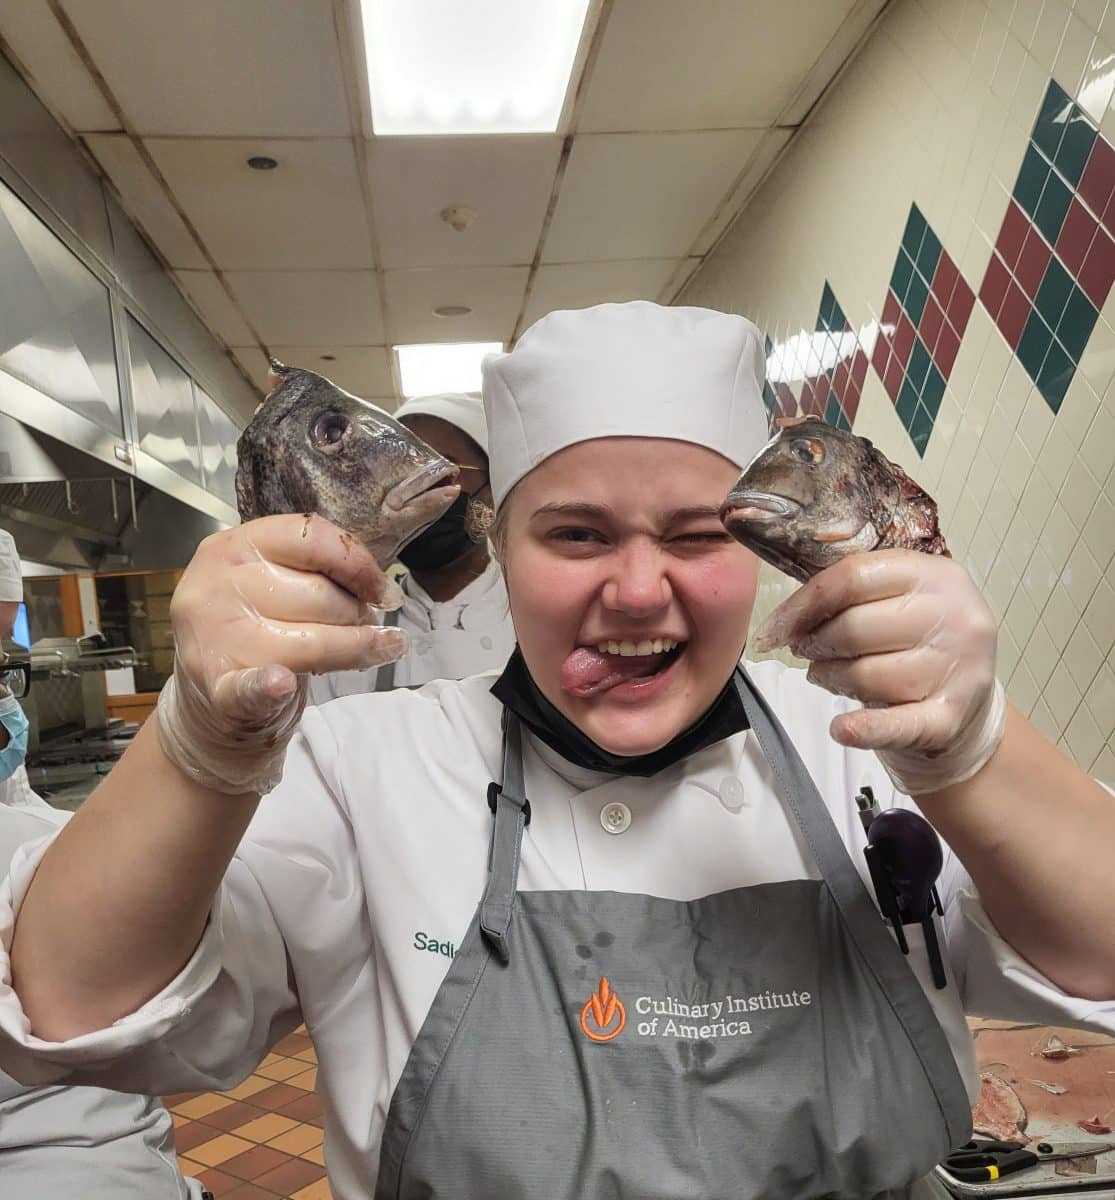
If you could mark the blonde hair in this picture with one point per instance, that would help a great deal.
(497, 531)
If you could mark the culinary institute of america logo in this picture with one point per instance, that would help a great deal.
(603, 1016)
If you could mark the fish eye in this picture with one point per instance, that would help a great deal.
(808, 450)
(328, 431)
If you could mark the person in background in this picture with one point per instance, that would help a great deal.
(61, 1142)
(14, 786)
(455, 610)
(57, 1143)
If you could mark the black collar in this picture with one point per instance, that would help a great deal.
(517, 691)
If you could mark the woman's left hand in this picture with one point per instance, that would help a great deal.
(910, 636)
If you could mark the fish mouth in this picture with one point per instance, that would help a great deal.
(436, 476)
(757, 507)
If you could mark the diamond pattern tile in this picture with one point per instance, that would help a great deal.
(1054, 259)
(925, 315)
(262, 1140)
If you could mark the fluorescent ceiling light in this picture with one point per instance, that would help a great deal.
(485, 66)
(442, 367)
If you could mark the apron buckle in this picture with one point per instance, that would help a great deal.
(495, 790)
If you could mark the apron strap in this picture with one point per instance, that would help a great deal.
(511, 807)
(861, 918)
(385, 676)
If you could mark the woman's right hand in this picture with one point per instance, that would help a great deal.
(260, 607)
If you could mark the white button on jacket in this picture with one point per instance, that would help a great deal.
(361, 872)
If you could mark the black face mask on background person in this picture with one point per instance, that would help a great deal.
(447, 539)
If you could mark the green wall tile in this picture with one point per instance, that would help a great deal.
(1052, 207)
(900, 276)
(916, 295)
(1031, 180)
(832, 409)
(929, 253)
(1076, 145)
(1034, 344)
(1076, 323)
(920, 429)
(932, 391)
(1052, 118)
(914, 232)
(919, 364)
(1056, 287)
(1055, 377)
(907, 403)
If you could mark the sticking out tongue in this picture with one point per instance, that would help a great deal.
(587, 672)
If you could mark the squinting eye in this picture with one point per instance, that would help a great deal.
(328, 431)
(808, 450)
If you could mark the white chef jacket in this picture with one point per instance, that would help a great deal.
(60, 1142)
(16, 791)
(360, 873)
(449, 639)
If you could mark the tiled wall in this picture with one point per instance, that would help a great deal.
(932, 264)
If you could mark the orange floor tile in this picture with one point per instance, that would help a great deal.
(262, 1140)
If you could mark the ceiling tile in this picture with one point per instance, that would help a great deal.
(507, 180)
(307, 214)
(495, 295)
(722, 64)
(213, 69)
(774, 141)
(311, 308)
(215, 307)
(362, 370)
(252, 359)
(579, 285)
(641, 195)
(145, 199)
(57, 74)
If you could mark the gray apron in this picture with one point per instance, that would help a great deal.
(765, 1042)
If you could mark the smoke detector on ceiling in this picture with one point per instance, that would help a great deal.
(459, 216)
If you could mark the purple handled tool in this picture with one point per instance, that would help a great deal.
(904, 858)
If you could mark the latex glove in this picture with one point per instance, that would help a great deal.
(259, 608)
(910, 636)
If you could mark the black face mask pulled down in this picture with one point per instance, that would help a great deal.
(446, 540)
(516, 690)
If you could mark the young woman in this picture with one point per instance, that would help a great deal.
(591, 931)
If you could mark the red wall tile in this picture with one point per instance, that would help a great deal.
(1012, 234)
(1098, 181)
(994, 287)
(1014, 314)
(1076, 236)
(1035, 257)
(1098, 271)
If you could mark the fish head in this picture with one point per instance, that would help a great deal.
(312, 447)
(811, 496)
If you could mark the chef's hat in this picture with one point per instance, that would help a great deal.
(11, 578)
(616, 370)
(464, 411)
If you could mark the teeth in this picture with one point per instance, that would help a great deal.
(635, 649)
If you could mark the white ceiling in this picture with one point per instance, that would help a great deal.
(678, 111)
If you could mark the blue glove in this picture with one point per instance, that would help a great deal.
(14, 720)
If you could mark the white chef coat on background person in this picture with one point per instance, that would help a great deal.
(366, 864)
(15, 790)
(449, 639)
(58, 1143)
